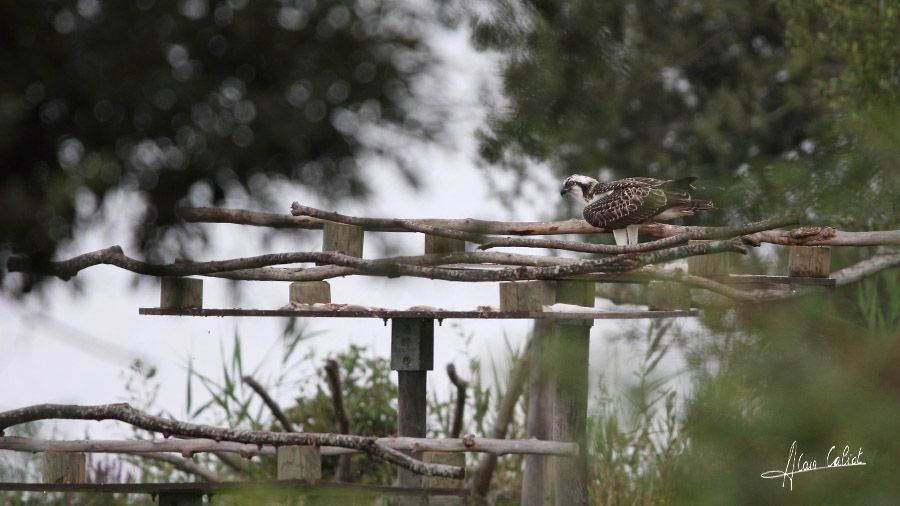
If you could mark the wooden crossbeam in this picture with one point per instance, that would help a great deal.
(388, 314)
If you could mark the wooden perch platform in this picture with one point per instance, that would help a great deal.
(387, 314)
(311, 487)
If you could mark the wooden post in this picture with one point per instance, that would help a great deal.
(310, 292)
(537, 482)
(346, 239)
(569, 350)
(299, 463)
(715, 264)
(438, 244)
(181, 293)
(668, 296)
(810, 262)
(412, 355)
(64, 467)
(185, 498)
(526, 295)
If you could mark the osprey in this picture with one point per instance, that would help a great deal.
(623, 205)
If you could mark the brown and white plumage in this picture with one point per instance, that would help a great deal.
(623, 205)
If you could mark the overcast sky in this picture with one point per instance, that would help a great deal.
(77, 348)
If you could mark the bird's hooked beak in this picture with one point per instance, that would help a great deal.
(566, 189)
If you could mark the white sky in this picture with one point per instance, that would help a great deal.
(76, 348)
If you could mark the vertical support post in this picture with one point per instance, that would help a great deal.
(412, 356)
(299, 463)
(436, 244)
(64, 467)
(346, 239)
(181, 293)
(668, 296)
(715, 264)
(537, 482)
(570, 349)
(810, 261)
(180, 499)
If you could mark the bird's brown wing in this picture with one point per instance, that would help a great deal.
(630, 204)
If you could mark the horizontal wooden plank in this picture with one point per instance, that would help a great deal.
(436, 314)
(304, 486)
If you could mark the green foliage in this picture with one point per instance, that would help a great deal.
(637, 439)
(370, 394)
(200, 97)
(731, 92)
(805, 373)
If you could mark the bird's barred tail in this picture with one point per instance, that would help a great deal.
(699, 205)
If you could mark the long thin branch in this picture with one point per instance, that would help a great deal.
(461, 386)
(125, 413)
(384, 267)
(189, 447)
(825, 236)
(492, 242)
(253, 218)
(270, 402)
(681, 237)
(183, 464)
(332, 372)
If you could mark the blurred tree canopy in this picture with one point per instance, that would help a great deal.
(195, 97)
(774, 105)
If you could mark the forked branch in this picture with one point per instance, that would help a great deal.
(125, 413)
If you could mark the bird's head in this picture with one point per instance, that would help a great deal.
(578, 187)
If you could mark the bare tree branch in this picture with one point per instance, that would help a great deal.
(333, 373)
(824, 236)
(168, 427)
(681, 237)
(461, 386)
(387, 267)
(243, 217)
(183, 464)
(270, 402)
(188, 447)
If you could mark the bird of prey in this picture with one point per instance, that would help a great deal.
(623, 205)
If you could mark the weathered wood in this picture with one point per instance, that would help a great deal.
(181, 293)
(168, 427)
(708, 265)
(526, 295)
(310, 292)
(668, 296)
(411, 416)
(570, 349)
(412, 344)
(180, 499)
(416, 314)
(412, 356)
(187, 447)
(435, 244)
(810, 261)
(537, 489)
(243, 488)
(64, 467)
(299, 463)
(346, 239)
